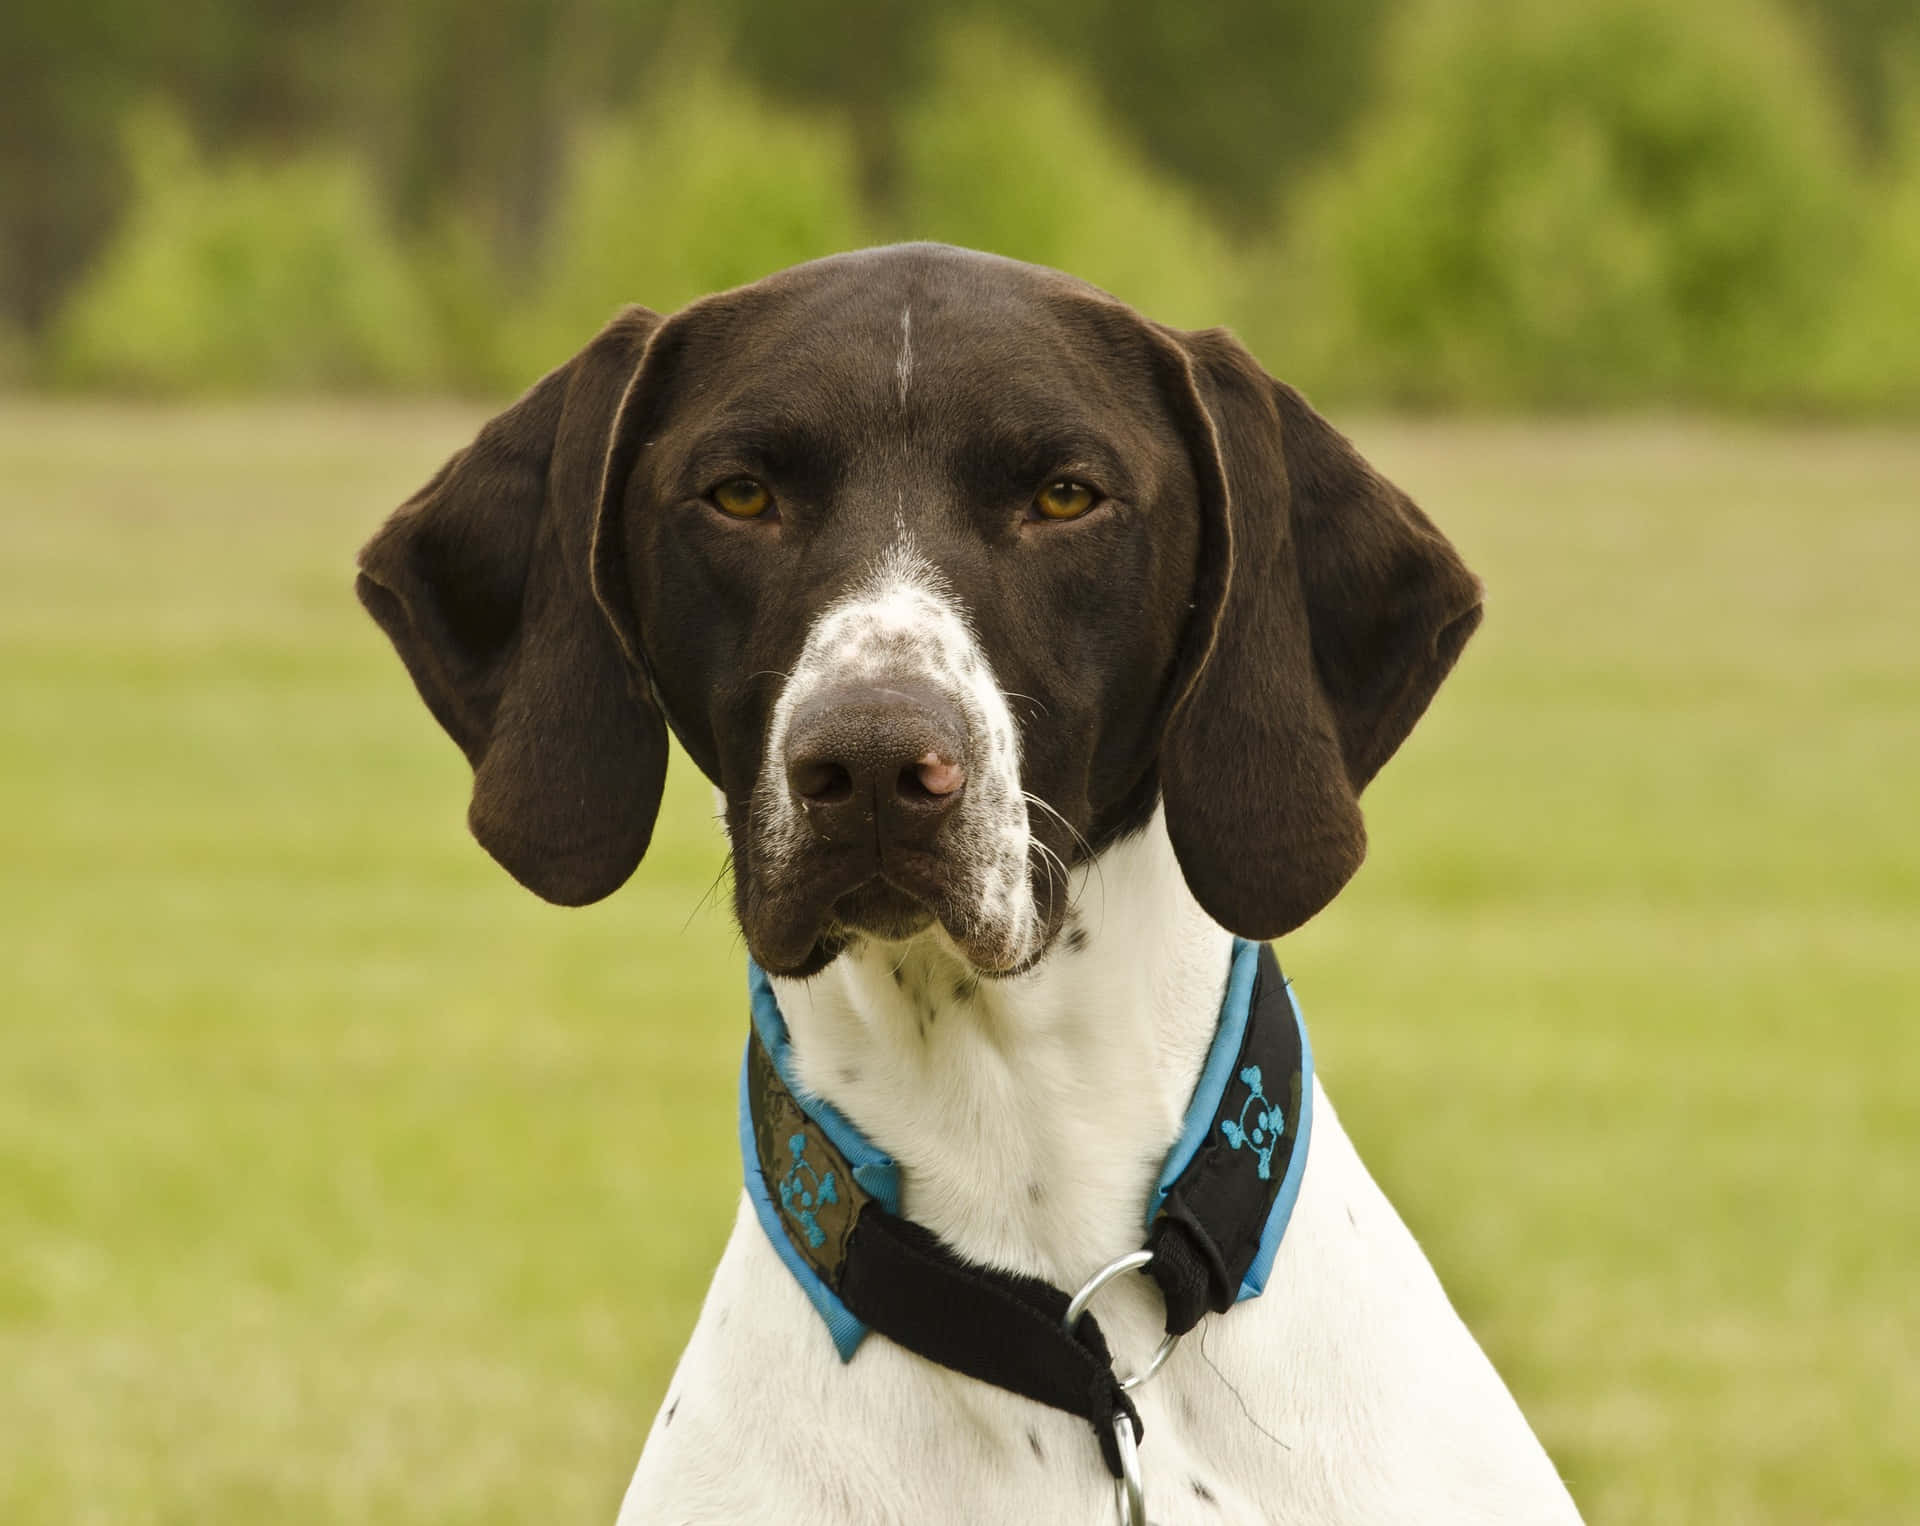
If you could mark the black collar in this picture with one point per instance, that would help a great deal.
(829, 1201)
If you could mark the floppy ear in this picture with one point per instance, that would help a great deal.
(481, 580)
(1327, 610)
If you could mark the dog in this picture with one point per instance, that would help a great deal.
(1037, 653)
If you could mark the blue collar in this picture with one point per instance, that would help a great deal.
(1229, 1182)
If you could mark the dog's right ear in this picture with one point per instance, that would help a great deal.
(482, 582)
(1328, 609)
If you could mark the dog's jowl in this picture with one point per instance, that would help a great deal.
(1038, 654)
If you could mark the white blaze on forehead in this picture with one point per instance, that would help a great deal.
(901, 625)
(903, 365)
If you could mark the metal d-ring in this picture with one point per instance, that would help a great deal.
(1131, 1262)
(1129, 1489)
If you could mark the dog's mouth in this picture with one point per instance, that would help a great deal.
(883, 910)
(798, 921)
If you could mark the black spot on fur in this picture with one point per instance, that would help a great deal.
(961, 991)
(899, 978)
(1039, 1452)
(672, 1409)
(1036, 1190)
(1350, 1218)
(1077, 939)
(1202, 1493)
(849, 1073)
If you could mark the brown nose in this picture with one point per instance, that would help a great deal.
(873, 764)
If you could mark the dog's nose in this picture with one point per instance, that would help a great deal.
(867, 761)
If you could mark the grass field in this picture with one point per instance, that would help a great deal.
(340, 1180)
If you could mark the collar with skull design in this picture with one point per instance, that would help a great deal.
(1213, 1222)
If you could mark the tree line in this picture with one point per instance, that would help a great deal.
(1409, 200)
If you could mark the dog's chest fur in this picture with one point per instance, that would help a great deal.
(1030, 1117)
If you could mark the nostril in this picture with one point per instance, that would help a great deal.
(931, 779)
(821, 783)
(939, 777)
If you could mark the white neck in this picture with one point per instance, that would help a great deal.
(1029, 1115)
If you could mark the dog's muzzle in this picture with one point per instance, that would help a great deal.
(876, 764)
(889, 791)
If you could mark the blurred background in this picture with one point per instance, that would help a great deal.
(341, 1180)
(1415, 201)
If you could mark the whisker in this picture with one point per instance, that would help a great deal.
(1048, 917)
(1071, 830)
(1051, 862)
(726, 864)
(1052, 858)
(1079, 838)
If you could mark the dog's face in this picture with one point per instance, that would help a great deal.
(945, 570)
(902, 522)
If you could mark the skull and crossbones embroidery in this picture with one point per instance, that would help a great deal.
(1260, 1133)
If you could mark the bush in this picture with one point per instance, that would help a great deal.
(1592, 201)
(708, 187)
(1872, 356)
(249, 275)
(1009, 152)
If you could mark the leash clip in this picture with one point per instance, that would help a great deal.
(1130, 1490)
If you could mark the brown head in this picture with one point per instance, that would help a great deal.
(946, 570)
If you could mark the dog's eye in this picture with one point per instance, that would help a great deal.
(742, 497)
(1062, 499)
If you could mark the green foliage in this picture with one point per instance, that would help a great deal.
(244, 276)
(709, 187)
(1595, 201)
(1872, 358)
(470, 302)
(1601, 202)
(1236, 98)
(1010, 152)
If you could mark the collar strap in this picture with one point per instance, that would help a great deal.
(829, 1201)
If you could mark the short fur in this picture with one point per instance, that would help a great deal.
(1165, 711)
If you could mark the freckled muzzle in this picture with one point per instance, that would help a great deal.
(890, 792)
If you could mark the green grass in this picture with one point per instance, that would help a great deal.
(342, 1180)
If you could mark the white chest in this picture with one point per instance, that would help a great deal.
(1030, 1120)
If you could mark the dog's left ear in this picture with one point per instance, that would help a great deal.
(1327, 610)
(482, 580)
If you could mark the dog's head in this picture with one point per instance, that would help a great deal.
(945, 570)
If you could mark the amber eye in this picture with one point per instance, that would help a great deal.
(1064, 499)
(742, 497)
